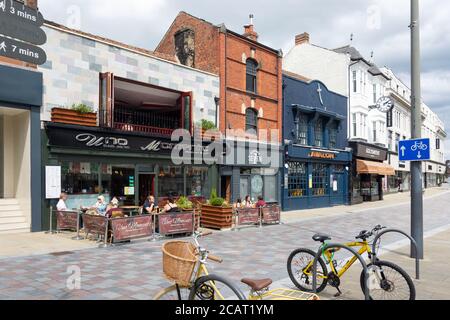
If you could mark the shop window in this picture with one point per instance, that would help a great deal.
(80, 178)
(197, 183)
(318, 133)
(270, 188)
(319, 179)
(122, 183)
(171, 181)
(251, 121)
(302, 135)
(333, 136)
(297, 179)
(251, 75)
(185, 47)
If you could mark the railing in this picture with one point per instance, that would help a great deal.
(133, 120)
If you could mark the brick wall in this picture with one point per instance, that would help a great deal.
(206, 41)
(221, 52)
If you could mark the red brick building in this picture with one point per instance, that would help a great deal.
(250, 72)
(250, 95)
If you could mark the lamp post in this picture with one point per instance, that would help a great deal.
(416, 132)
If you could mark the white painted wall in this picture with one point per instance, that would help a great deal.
(314, 62)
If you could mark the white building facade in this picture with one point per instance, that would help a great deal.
(347, 72)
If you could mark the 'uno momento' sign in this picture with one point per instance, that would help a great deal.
(271, 214)
(322, 155)
(176, 223)
(131, 228)
(66, 220)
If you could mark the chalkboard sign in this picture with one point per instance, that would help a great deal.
(176, 223)
(131, 228)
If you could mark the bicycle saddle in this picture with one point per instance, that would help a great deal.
(257, 284)
(321, 237)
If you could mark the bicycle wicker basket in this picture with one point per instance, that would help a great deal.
(179, 260)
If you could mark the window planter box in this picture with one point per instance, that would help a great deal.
(69, 116)
(216, 217)
(212, 134)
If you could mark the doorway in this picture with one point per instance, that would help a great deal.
(146, 186)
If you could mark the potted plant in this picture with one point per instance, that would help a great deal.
(216, 213)
(79, 114)
(184, 204)
(207, 129)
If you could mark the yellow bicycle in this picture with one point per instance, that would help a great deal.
(387, 281)
(198, 284)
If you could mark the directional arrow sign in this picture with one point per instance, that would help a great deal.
(11, 27)
(21, 12)
(21, 51)
(415, 150)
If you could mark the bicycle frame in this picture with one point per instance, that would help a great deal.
(364, 247)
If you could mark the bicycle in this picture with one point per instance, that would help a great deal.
(419, 146)
(205, 286)
(385, 278)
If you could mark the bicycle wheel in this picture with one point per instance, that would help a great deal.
(172, 293)
(213, 287)
(387, 281)
(299, 266)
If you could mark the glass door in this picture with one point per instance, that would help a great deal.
(244, 187)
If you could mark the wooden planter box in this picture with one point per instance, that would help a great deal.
(69, 116)
(216, 217)
(212, 135)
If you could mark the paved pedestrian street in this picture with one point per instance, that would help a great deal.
(134, 271)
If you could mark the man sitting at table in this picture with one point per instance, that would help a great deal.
(149, 205)
(261, 203)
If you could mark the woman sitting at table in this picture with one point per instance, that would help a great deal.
(248, 202)
(149, 205)
(100, 206)
(171, 206)
(113, 210)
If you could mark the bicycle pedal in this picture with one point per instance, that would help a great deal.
(338, 294)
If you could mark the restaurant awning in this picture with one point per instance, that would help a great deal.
(372, 167)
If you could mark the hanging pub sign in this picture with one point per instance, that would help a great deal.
(18, 23)
(21, 51)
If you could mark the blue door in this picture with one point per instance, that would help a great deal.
(338, 187)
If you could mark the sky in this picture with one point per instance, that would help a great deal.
(378, 26)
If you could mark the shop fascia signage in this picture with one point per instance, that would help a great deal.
(364, 151)
(94, 141)
(322, 155)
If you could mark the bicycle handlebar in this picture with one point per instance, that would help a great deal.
(215, 258)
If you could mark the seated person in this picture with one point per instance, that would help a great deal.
(100, 206)
(149, 205)
(113, 210)
(171, 206)
(237, 204)
(261, 203)
(61, 206)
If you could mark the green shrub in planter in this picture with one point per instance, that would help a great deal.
(184, 203)
(82, 108)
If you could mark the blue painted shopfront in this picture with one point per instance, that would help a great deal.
(317, 162)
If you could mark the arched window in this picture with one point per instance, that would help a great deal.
(251, 71)
(251, 121)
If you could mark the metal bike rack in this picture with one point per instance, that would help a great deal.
(356, 254)
(413, 243)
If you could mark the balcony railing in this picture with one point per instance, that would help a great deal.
(134, 120)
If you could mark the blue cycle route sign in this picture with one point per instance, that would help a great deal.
(414, 150)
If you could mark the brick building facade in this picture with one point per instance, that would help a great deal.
(250, 96)
(215, 49)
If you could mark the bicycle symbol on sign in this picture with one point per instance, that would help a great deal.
(419, 145)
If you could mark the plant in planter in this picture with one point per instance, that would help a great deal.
(208, 128)
(184, 204)
(79, 114)
(217, 213)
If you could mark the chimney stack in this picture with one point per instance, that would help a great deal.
(249, 31)
(31, 3)
(302, 38)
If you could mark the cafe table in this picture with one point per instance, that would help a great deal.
(130, 209)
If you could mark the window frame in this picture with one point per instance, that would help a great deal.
(249, 126)
(251, 72)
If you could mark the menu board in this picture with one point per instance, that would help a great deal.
(52, 182)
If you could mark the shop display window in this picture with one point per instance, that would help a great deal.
(197, 183)
(171, 181)
(297, 179)
(319, 179)
(80, 178)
